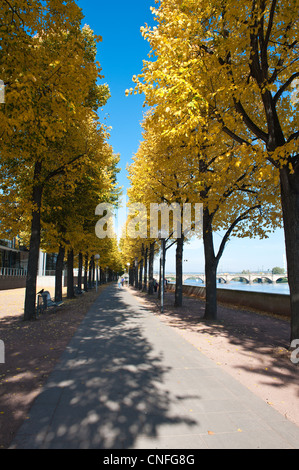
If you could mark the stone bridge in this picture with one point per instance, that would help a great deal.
(225, 278)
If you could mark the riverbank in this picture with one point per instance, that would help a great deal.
(276, 304)
(250, 346)
(268, 288)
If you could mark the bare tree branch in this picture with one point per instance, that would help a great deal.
(285, 86)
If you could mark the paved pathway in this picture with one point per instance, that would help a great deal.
(129, 381)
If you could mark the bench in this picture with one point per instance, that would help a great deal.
(78, 291)
(45, 302)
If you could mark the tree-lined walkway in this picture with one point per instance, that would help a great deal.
(128, 380)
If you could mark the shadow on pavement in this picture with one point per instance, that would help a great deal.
(262, 337)
(108, 388)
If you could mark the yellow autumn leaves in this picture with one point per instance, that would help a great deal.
(56, 164)
(222, 128)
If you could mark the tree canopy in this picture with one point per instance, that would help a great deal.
(52, 145)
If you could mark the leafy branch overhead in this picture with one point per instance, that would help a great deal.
(52, 144)
(220, 83)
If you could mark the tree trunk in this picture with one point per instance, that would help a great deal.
(70, 274)
(85, 273)
(58, 274)
(151, 269)
(131, 276)
(140, 274)
(30, 295)
(90, 274)
(162, 269)
(211, 290)
(136, 274)
(80, 264)
(93, 271)
(178, 297)
(160, 278)
(144, 288)
(290, 209)
(210, 268)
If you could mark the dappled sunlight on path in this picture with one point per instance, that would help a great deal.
(252, 347)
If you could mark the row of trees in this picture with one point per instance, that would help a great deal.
(56, 163)
(222, 128)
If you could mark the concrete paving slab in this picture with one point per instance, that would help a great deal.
(129, 381)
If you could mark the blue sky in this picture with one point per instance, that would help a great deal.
(121, 55)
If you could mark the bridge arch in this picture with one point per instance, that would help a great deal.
(194, 278)
(240, 278)
(221, 279)
(260, 279)
(270, 281)
(280, 279)
(249, 278)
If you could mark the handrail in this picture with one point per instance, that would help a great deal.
(13, 272)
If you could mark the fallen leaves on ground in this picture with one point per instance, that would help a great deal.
(32, 350)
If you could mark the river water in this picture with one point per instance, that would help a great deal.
(280, 288)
